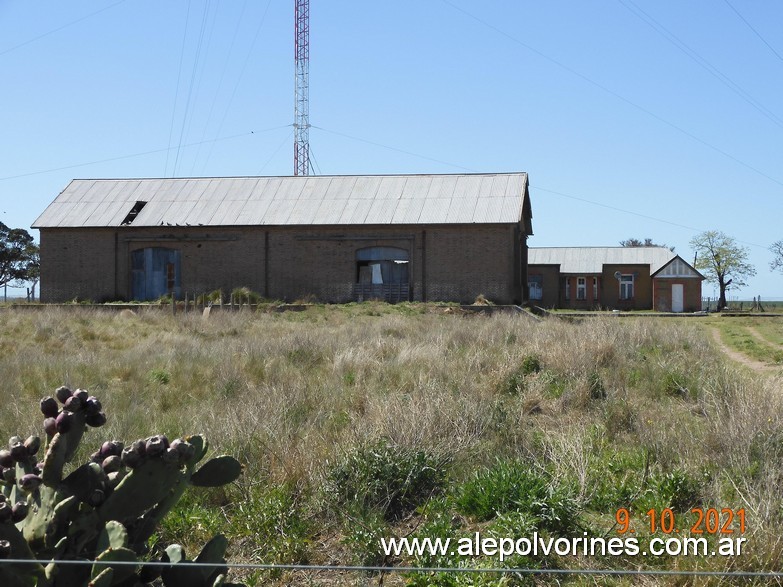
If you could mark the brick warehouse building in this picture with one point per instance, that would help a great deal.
(337, 238)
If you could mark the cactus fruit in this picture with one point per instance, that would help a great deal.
(5, 512)
(95, 420)
(64, 422)
(156, 445)
(105, 510)
(50, 426)
(32, 444)
(111, 448)
(62, 394)
(111, 464)
(49, 407)
(30, 482)
(73, 404)
(19, 512)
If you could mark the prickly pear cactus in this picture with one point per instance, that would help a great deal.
(106, 510)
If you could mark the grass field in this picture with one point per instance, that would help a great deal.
(367, 421)
(759, 338)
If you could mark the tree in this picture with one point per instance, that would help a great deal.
(19, 260)
(648, 242)
(777, 251)
(722, 261)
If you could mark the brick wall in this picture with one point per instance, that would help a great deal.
(77, 265)
(551, 290)
(609, 294)
(663, 294)
(447, 262)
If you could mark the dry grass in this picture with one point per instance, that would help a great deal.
(613, 401)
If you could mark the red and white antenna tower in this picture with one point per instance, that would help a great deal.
(302, 91)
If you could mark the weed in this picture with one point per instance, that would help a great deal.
(515, 381)
(391, 480)
(244, 295)
(362, 534)
(515, 487)
(159, 376)
(677, 490)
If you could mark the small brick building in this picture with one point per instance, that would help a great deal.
(621, 278)
(337, 238)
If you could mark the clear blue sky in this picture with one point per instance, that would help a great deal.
(634, 118)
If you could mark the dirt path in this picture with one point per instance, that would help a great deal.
(760, 337)
(740, 358)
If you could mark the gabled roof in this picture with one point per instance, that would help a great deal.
(590, 260)
(313, 200)
(677, 268)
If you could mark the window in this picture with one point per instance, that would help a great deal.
(595, 288)
(581, 288)
(535, 285)
(626, 287)
(567, 288)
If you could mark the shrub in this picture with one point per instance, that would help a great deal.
(514, 487)
(160, 376)
(515, 382)
(677, 490)
(596, 386)
(391, 480)
(273, 516)
(242, 295)
(215, 297)
(530, 364)
(362, 535)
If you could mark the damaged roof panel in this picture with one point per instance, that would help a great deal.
(316, 200)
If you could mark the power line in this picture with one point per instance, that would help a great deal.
(241, 75)
(393, 149)
(611, 92)
(141, 154)
(277, 150)
(639, 214)
(699, 60)
(220, 81)
(176, 92)
(535, 187)
(193, 73)
(58, 29)
(750, 26)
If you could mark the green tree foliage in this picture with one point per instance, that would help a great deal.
(19, 260)
(648, 242)
(777, 261)
(722, 261)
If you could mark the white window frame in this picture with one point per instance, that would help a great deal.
(595, 288)
(568, 288)
(626, 286)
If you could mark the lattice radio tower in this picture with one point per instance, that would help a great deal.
(302, 91)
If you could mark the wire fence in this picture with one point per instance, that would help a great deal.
(404, 569)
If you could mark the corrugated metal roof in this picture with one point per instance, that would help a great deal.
(313, 200)
(586, 260)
